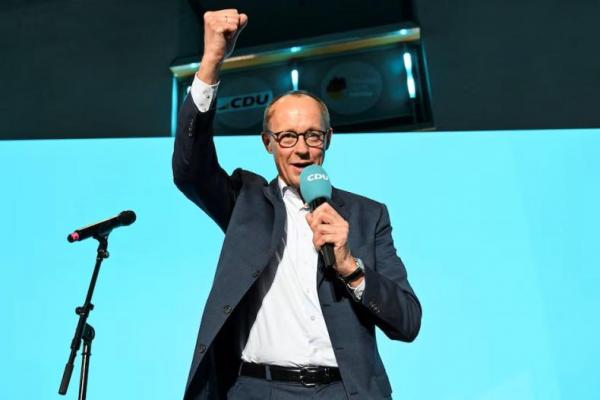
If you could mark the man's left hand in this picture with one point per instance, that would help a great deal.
(329, 227)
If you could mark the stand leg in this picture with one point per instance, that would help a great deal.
(88, 336)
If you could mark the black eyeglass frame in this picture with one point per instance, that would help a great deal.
(323, 145)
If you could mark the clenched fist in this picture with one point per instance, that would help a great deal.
(221, 30)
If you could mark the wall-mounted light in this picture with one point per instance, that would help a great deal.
(295, 79)
(174, 105)
(410, 80)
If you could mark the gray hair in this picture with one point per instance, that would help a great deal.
(268, 111)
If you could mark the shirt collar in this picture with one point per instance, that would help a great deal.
(290, 191)
(283, 187)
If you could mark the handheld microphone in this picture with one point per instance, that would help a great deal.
(316, 190)
(103, 227)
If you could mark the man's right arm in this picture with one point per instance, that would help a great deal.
(196, 170)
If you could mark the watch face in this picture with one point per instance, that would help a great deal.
(359, 264)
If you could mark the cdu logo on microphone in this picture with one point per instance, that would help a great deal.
(314, 183)
(317, 176)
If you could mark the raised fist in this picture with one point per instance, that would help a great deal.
(221, 30)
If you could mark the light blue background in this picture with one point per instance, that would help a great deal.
(498, 230)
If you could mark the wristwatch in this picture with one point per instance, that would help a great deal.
(358, 272)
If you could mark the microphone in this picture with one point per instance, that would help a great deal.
(316, 190)
(103, 227)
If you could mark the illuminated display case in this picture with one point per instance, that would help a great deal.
(372, 80)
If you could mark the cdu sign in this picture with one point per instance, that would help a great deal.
(244, 102)
(317, 177)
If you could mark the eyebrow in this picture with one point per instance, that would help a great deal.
(309, 129)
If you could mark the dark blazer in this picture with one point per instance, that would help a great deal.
(252, 214)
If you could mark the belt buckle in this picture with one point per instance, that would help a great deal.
(308, 372)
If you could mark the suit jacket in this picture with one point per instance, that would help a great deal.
(252, 214)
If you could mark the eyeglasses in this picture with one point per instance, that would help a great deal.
(312, 138)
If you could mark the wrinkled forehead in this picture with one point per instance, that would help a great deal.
(300, 106)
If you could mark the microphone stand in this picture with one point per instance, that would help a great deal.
(84, 331)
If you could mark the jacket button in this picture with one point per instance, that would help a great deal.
(256, 273)
(227, 309)
(202, 348)
(374, 307)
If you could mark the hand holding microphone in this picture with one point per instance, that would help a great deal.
(330, 229)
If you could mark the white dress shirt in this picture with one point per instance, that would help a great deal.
(289, 329)
(203, 94)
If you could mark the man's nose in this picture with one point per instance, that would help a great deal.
(301, 146)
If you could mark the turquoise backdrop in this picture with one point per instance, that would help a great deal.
(498, 230)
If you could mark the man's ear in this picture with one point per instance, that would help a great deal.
(267, 142)
(328, 138)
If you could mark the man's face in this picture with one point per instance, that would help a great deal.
(298, 114)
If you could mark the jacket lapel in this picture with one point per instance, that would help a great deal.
(273, 195)
(338, 204)
(272, 191)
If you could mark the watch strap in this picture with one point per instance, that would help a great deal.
(357, 273)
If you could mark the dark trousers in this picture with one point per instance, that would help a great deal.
(247, 388)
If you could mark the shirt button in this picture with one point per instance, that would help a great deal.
(312, 317)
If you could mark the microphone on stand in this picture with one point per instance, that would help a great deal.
(84, 331)
(103, 227)
(315, 188)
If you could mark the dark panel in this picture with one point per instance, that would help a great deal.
(512, 65)
(87, 69)
(280, 21)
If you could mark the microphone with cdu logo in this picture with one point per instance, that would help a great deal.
(316, 190)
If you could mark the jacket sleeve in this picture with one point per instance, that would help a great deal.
(387, 294)
(196, 169)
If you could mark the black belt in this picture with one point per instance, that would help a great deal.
(308, 376)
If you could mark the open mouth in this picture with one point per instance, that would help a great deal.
(301, 165)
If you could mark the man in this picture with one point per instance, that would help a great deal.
(277, 323)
